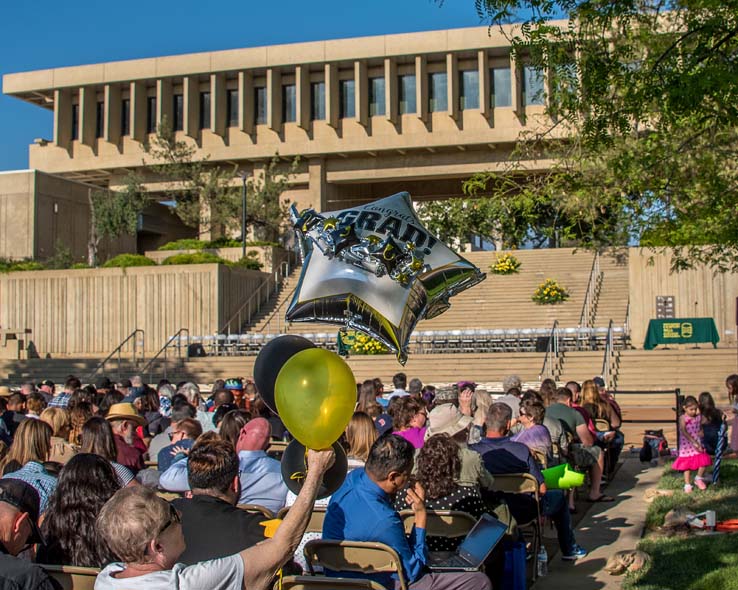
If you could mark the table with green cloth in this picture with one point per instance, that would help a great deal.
(681, 331)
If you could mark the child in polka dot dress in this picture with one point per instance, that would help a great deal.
(692, 455)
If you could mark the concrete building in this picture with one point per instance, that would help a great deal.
(368, 116)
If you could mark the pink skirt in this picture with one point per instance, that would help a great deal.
(692, 463)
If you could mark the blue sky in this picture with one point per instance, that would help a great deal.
(47, 34)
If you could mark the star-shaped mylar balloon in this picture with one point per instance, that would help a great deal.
(375, 268)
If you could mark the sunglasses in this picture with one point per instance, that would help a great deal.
(174, 517)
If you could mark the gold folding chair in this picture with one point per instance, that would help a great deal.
(256, 509)
(317, 516)
(524, 483)
(354, 556)
(70, 577)
(441, 523)
(325, 583)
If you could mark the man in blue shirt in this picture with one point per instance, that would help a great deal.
(501, 455)
(361, 510)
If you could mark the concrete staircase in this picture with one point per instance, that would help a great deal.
(612, 303)
(58, 369)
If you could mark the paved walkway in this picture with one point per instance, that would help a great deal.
(604, 530)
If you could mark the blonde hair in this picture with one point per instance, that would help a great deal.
(130, 520)
(360, 435)
(32, 442)
(591, 396)
(59, 419)
(35, 404)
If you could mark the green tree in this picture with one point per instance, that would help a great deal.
(207, 196)
(643, 102)
(114, 213)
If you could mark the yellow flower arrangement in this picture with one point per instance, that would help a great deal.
(506, 264)
(360, 343)
(550, 292)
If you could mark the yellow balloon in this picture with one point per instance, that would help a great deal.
(315, 393)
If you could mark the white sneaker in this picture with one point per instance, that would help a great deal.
(687, 488)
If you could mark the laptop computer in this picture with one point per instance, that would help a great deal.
(473, 550)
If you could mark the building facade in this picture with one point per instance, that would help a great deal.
(368, 116)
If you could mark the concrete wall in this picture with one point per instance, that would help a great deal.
(698, 293)
(17, 214)
(92, 311)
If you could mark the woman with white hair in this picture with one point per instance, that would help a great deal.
(145, 532)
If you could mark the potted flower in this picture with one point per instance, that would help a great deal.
(550, 292)
(506, 264)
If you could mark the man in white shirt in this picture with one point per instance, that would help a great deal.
(400, 383)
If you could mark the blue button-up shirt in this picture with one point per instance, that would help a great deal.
(503, 455)
(361, 511)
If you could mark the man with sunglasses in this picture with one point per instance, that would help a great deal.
(19, 510)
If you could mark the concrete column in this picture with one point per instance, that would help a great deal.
(516, 82)
(218, 104)
(302, 92)
(391, 96)
(317, 183)
(274, 99)
(484, 90)
(191, 99)
(246, 102)
(111, 126)
(331, 95)
(87, 112)
(62, 118)
(164, 102)
(421, 87)
(452, 85)
(138, 111)
(361, 92)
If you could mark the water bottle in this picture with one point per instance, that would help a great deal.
(542, 562)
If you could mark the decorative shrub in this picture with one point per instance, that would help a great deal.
(195, 244)
(249, 261)
(359, 343)
(550, 292)
(7, 265)
(194, 258)
(79, 266)
(506, 264)
(126, 260)
(184, 244)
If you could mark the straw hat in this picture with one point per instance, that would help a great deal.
(125, 411)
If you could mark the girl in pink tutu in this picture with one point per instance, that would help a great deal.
(692, 455)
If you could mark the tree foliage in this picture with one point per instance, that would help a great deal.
(643, 103)
(208, 195)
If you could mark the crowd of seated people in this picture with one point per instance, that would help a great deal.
(85, 471)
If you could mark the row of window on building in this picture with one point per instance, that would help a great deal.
(500, 96)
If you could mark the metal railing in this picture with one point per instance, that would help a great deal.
(138, 348)
(177, 337)
(607, 358)
(551, 360)
(666, 414)
(589, 306)
(626, 326)
(253, 303)
(281, 329)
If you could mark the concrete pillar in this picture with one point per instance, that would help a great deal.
(62, 118)
(302, 92)
(421, 87)
(218, 104)
(516, 83)
(164, 102)
(191, 99)
(391, 96)
(274, 99)
(452, 85)
(111, 125)
(484, 89)
(246, 102)
(87, 114)
(317, 183)
(331, 95)
(361, 92)
(138, 111)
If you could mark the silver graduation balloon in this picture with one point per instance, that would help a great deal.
(376, 269)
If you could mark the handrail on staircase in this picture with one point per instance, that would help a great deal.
(552, 353)
(138, 347)
(588, 305)
(607, 358)
(252, 304)
(163, 350)
(275, 312)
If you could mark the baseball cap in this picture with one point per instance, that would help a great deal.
(599, 381)
(446, 419)
(104, 383)
(26, 499)
(47, 383)
(234, 383)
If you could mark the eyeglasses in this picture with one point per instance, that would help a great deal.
(173, 518)
(173, 433)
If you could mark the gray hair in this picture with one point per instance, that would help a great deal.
(191, 392)
(166, 390)
(136, 381)
(511, 382)
(498, 416)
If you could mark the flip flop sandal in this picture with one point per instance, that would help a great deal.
(601, 498)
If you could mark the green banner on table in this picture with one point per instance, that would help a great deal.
(681, 331)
